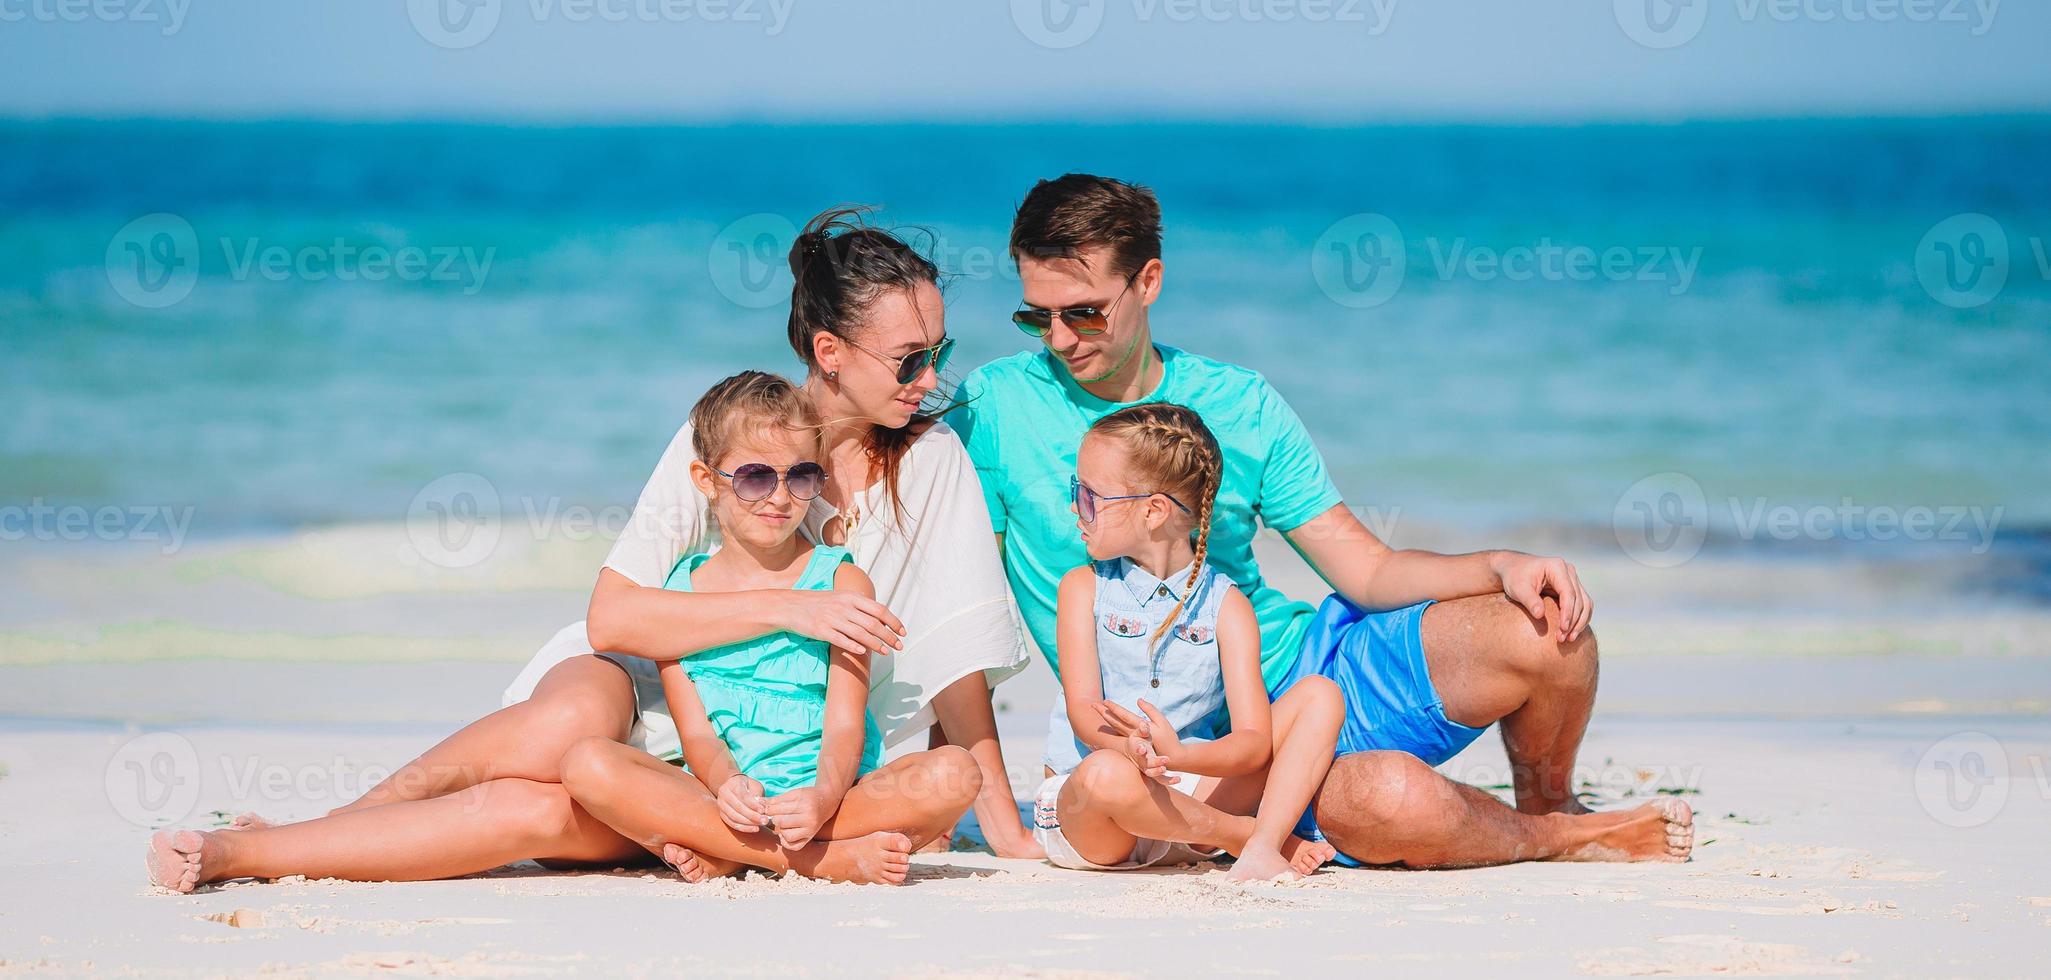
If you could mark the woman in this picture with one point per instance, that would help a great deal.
(867, 320)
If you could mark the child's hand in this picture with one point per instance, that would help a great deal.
(740, 804)
(1151, 763)
(1160, 732)
(799, 814)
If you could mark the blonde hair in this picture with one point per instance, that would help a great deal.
(747, 402)
(1170, 450)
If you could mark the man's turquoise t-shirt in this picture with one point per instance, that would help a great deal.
(1024, 420)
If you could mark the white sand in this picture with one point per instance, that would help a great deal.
(1828, 843)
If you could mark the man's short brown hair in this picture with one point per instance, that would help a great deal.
(1074, 213)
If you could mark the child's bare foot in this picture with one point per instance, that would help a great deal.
(882, 858)
(1024, 847)
(695, 867)
(250, 820)
(1262, 864)
(1662, 830)
(1306, 856)
(177, 859)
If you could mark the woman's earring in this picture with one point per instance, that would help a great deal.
(833, 376)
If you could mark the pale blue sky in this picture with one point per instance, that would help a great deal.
(562, 60)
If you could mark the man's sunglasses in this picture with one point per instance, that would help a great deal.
(911, 365)
(1086, 499)
(754, 481)
(1088, 321)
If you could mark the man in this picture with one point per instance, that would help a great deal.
(1430, 649)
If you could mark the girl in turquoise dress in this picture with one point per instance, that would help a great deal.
(782, 762)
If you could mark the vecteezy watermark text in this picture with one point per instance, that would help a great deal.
(458, 24)
(1362, 260)
(154, 261)
(168, 15)
(1672, 23)
(1057, 24)
(41, 521)
(1662, 521)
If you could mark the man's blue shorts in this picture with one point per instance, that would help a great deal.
(1377, 659)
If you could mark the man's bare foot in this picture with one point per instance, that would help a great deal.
(250, 820)
(1662, 830)
(177, 859)
(695, 867)
(882, 858)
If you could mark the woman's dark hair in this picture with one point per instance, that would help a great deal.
(841, 265)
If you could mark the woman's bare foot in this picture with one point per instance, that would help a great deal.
(250, 820)
(882, 858)
(177, 859)
(1662, 830)
(938, 845)
(695, 867)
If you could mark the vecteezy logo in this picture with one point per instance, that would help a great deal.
(749, 260)
(1057, 24)
(1662, 520)
(1360, 260)
(1962, 781)
(454, 521)
(153, 261)
(454, 24)
(153, 779)
(1661, 23)
(1962, 261)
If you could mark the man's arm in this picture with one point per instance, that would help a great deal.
(1359, 566)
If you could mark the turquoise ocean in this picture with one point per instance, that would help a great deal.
(295, 324)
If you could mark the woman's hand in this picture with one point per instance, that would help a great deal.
(852, 622)
(799, 814)
(741, 804)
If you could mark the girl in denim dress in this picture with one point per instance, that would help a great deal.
(1163, 746)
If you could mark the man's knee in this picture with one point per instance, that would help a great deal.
(1532, 648)
(1368, 794)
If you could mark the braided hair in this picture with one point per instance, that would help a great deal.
(1170, 449)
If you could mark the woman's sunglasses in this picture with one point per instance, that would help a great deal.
(754, 481)
(911, 365)
(1088, 321)
(1086, 499)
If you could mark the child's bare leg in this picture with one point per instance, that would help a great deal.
(655, 804)
(1108, 803)
(476, 829)
(579, 697)
(920, 796)
(1306, 721)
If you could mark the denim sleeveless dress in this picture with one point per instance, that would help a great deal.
(766, 697)
(1181, 675)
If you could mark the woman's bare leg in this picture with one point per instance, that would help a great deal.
(474, 829)
(582, 696)
(1306, 721)
(966, 719)
(669, 812)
